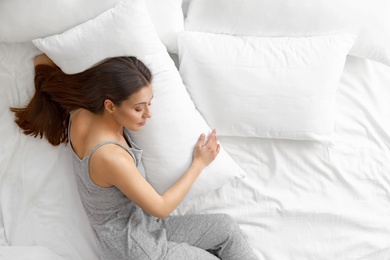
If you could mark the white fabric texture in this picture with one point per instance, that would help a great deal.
(302, 200)
(369, 19)
(270, 87)
(27, 253)
(22, 21)
(3, 240)
(39, 201)
(299, 200)
(167, 140)
(168, 19)
(124, 30)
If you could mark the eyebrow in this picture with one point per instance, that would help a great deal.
(140, 103)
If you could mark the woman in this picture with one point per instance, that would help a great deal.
(94, 111)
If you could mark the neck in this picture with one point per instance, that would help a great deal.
(107, 122)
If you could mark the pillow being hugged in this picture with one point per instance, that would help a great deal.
(170, 135)
(269, 87)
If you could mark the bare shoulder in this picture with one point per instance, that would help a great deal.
(43, 59)
(110, 164)
(112, 154)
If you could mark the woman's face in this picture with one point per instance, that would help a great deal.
(134, 111)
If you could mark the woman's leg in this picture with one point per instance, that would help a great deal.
(183, 251)
(216, 233)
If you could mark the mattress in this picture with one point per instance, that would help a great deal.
(299, 200)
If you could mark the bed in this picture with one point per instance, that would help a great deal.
(298, 92)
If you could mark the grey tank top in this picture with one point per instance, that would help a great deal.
(123, 230)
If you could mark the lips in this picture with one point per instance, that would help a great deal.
(142, 123)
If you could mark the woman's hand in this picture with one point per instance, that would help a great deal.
(43, 59)
(205, 153)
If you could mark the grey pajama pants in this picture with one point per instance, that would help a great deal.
(205, 237)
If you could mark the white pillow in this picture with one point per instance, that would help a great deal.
(184, 6)
(370, 19)
(270, 87)
(168, 19)
(170, 135)
(22, 21)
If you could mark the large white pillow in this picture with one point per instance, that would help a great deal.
(170, 135)
(22, 21)
(270, 87)
(369, 19)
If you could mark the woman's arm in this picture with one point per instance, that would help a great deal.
(115, 166)
(43, 59)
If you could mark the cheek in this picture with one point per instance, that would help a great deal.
(128, 116)
(131, 116)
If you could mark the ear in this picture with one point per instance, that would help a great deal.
(109, 106)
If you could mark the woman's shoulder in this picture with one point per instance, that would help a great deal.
(110, 163)
(86, 134)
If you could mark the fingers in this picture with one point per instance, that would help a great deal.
(207, 151)
(213, 135)
(212, 138)
(200, 140)
(212, 142)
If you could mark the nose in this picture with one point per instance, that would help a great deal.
(148, 113)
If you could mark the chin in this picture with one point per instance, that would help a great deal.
(134, 128)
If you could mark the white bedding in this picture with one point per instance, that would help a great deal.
(27, 253)
(300, 199)
(39, 203)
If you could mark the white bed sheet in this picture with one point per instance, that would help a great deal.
(301, 200)
(39, 202)
(27, 253)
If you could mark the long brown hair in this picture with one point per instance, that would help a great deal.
(57, 94)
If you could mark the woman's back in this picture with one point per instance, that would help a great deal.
(123, 230)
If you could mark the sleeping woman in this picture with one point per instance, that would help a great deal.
(94, 111)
